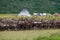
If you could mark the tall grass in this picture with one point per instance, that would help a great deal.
(31, 35)
(52, 17)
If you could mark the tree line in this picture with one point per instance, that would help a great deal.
(15, 6)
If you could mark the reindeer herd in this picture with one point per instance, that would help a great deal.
(27, 24)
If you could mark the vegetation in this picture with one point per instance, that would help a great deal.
(14, 22)
(31, 35)
(15, 6)
(52, 37)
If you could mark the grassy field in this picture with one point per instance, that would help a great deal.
(52, 34)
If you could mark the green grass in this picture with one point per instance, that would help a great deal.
(31, 35)
(52, 37)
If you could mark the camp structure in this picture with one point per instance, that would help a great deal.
(24, 12)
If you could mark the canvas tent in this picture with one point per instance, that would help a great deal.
(24, 12)
(34, 13)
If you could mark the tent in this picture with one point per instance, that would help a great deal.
(24, 12)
